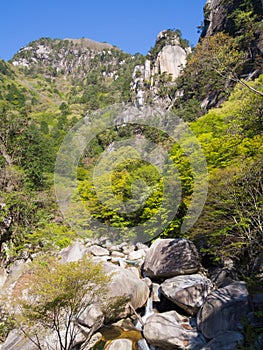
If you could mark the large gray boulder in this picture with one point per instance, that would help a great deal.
(225, 341)
(171, 257)
(223, 310)
(169, 330)
(125, 283)
(187, 291)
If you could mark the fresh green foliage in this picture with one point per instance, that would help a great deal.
(57, 296)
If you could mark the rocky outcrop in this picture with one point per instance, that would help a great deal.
(171, 257)
(74, 59)
(60, 56)
(188, 292)
(223, 310)
(219, 16)
(162, 66)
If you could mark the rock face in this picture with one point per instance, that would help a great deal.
(171, 257)
(188, 292)
(167, 331)
(218, 17)
(162, 66)
(223, 310)
(225, 341)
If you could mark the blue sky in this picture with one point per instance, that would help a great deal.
(130, 25)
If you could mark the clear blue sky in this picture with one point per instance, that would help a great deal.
(131, 25)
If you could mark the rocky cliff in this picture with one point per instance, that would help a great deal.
(239, 19)
(163, 65)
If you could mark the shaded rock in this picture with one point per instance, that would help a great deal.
(94, 340)
(98, 250)
(223, 310)
(188, 291)
(120, 344)
(171, 257)
(225, 341)
(169, 331)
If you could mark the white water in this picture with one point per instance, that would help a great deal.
(142, 344)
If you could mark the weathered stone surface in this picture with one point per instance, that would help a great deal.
(92, 317)
(16, 341)
(225, 341)
(98, 250)
(187, 291)
(167, 331)
(223, 310)
(120, 344)
(117, 254)
(170, 60)
(137, 254)
(95, 339)
(127, 283)
(74, 252)
(171, 257)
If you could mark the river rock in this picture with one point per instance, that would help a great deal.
(92, 317)
(137, 254)
(171, 257)
(225, 341)
(187, 291)
(126, 283)
(120, 344)
(74, 252)
(167, 331)
(223, 310)
(98, 250)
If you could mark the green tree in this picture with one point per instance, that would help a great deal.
(55, 297)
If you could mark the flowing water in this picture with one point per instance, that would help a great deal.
(110, 333)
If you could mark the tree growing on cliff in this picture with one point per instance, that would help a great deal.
(53, 298)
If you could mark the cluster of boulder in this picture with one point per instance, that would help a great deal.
(191, 309)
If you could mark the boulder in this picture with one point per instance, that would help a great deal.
(223, 310)
(98, 250)
(137, 254)
(92, 317)
(120, 344)
(169, 331)
(74, 252)
(225, 341)
(171, 257)
(126, 283)
(187, 291)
